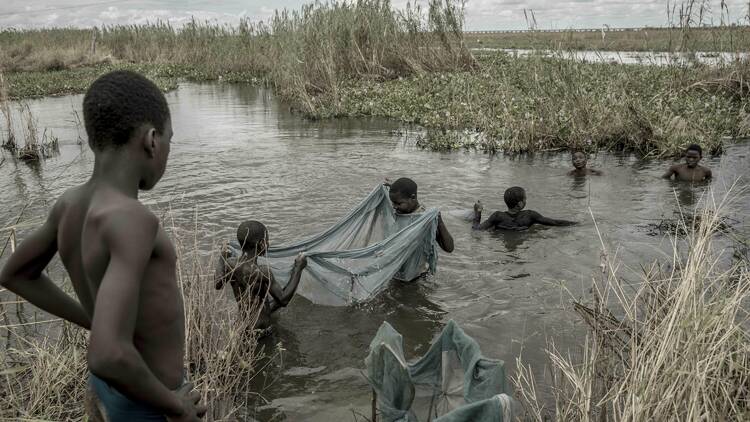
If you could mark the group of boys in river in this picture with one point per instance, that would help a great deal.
(121, 262)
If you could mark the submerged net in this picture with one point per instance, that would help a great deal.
(452, 382)
(355, 259)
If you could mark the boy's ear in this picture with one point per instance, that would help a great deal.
(149, 141)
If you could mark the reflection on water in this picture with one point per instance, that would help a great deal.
(238, 154)
(629, 57)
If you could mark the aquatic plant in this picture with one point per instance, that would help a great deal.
(673, 346)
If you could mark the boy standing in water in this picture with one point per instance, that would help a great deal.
(403, 196)
(580, 159)
(120, 261)
(516, 218)
(690, 171)
(253, 285)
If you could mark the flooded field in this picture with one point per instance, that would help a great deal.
(239, 154)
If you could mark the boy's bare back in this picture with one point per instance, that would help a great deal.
(122, 241)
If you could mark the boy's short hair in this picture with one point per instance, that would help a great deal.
(404, 187)
(513, 196)
(118, 103)
(250, 233)
(694, 147)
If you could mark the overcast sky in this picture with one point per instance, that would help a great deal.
(480, 14)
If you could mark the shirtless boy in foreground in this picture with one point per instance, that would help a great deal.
(253, 284)
(690, 171)
(516, 218)
(120, 261)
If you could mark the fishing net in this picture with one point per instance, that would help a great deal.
(355, 259)
(452, 382)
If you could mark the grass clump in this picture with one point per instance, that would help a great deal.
(673, 347)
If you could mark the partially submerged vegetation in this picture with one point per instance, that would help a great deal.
(34, 147)
(673, 346)
(537, 103)
(365, 58)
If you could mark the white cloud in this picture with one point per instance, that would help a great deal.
(480, 14)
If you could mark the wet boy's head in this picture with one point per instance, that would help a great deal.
(253, 237)
(693, 154)
(515, 198)
(579, 159)
(124, 111)
(403, 195)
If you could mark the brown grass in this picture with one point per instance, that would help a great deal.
(673, 347)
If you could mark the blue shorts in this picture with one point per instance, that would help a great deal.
(119, 408)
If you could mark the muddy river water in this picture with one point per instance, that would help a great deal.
(240, 154)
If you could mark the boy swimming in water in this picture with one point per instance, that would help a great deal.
(120, 260)
(690, 171)
(403, 196)
(516, 218)
(253, 284)
(580, 160)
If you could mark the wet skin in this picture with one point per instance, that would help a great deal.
(254, 285)
(690, 171)
(407, 205)
(514, 219)
(579, 166)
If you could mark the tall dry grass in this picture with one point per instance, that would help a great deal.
(44, 377)
(304, 54)
(672, 347)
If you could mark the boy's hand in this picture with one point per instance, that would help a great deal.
(387, 182)
(225, 252)
(478, 207)
(193, 411)
(300, 261)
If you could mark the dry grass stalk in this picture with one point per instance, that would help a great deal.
(9, 142)
(45, 377)
(673, 347)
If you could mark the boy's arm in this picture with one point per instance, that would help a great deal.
(222, 274)
(444, 238)
(283, 296)
(540, 219)
(129, 236)
(477, 224)
(23, 275)
(672, 170)
(708, 173)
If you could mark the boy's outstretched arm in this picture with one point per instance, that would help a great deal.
(540, 219)
(129, 235)
(477, 224)
(444, 238)
(23, 274)
(283, 296)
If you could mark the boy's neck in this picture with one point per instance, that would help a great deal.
(116, 170)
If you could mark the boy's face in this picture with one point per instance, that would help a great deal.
(403, 204)
(692, 157)
(161, 145)
(579, 160)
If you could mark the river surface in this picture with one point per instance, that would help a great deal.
(628, 57)
(238, 154)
